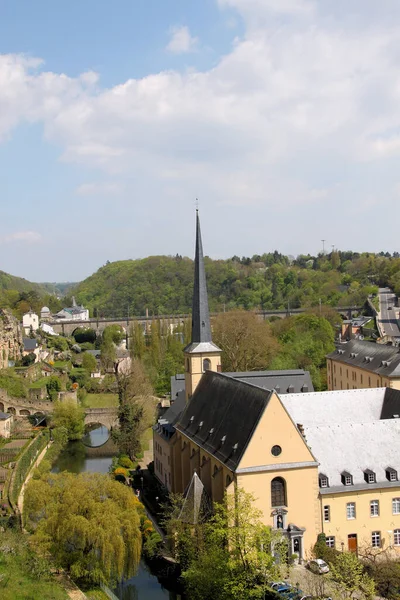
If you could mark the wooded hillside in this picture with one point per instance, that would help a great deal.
(163, 284)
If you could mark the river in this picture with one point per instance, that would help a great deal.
(94, 453)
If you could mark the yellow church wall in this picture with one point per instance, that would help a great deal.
(301, 499)
(340, 527)
(342, 376)
(275, 428)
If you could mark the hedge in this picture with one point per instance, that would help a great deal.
(24, 464)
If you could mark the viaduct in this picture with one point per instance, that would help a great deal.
(25, 408)
(99, 324)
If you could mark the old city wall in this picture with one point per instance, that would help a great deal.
(10, 338)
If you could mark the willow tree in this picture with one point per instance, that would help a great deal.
(88, 522)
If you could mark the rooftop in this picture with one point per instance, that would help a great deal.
(362, 425)
(4, 416)
(218, 426)
(378, 358)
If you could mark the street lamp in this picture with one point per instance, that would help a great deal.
(342, 546)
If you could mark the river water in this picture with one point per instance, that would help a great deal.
(94, 453)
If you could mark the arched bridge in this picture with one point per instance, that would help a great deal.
(104, 416)
(68, 327)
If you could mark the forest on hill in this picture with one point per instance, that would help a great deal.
(164, 284)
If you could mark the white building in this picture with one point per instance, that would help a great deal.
(45, 313)
(73, 313)
(30, 322)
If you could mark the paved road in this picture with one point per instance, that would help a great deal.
(387, 317)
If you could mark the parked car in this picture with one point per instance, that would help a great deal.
(275, 584)
(318, 566)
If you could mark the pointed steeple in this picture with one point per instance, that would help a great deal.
(201, 326)
(201, 354)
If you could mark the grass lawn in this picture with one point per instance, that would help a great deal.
(101, 400)
(40, 383)
(16, 582)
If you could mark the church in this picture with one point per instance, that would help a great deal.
(316, 462)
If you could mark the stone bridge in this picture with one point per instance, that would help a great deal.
(104, 416)
(69, 327)
(23, 407)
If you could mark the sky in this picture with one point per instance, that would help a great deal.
(281, 116)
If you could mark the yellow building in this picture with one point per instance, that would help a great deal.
(317, 462)
(203, 355)
(361, 364)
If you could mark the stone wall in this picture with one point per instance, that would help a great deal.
(10, 338)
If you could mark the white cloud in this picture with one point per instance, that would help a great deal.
(181, 40)
(99, 189)
(305, 101)
(25, 237)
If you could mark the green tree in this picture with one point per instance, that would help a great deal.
(53, 386)
(89, 362)
(88, 522)
(138, 341)
(70, 417)
(349, 572)
(228, 556)
(85, 335)
(108, 353)
(133, 391)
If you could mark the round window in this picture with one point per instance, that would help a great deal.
(276, 450)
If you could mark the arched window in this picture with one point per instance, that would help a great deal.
(228, 480)
(206, 364)
(278, 492)
(215, 470)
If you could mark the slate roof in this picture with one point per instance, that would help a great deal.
(373, 445)
(297, 378)
(339, 406)
(358, 424)
(369, 356)
(165, 424)
(29, 344)
(214, 418)
(4, 416)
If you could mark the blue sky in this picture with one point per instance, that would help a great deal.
(280, 115)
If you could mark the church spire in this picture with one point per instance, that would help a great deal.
(201, 354)
(201, 327)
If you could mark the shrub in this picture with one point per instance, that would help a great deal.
(125, 462)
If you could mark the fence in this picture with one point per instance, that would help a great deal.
(108, 592)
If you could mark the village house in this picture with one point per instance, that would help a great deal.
(6, 420)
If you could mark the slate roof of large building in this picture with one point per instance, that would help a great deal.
(214, 418)
(357, 447)
(284, 382)
(361, 425)
(4, 416)
(379, 358)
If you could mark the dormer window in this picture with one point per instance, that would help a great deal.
(290, 389)
(369, 476)
(391, 474)
(304, 388)
(347, 478)
(323, 481)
